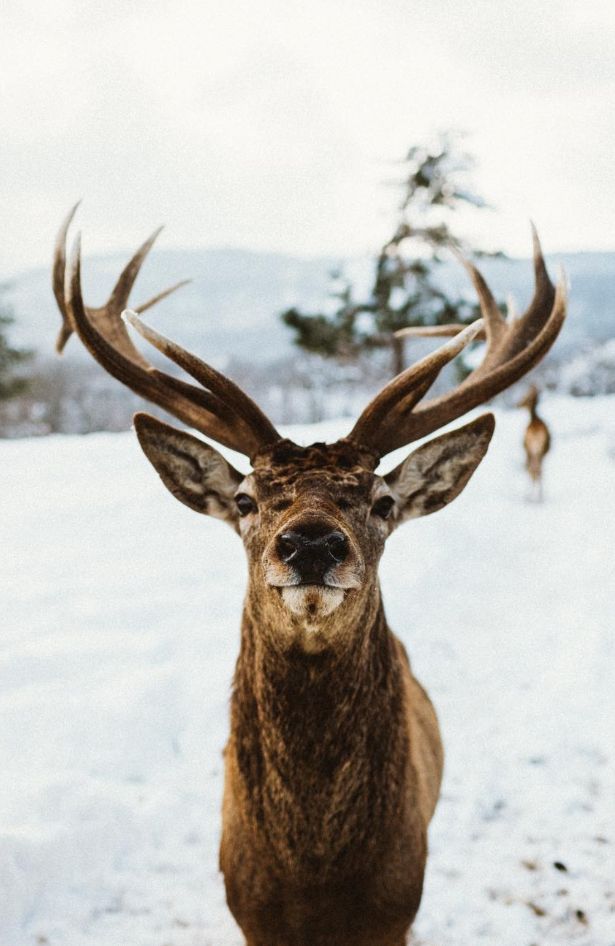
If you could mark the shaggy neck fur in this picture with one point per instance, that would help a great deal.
(320, 743)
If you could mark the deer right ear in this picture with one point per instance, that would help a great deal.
(437, 472)
(193, 471)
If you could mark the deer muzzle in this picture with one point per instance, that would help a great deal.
(313, 553)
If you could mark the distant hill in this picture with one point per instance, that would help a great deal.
(232, 306)
(229, 309)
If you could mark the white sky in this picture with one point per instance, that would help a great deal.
(273, 125)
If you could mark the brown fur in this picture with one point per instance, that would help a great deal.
(334, 763)
(327, 796)
(536, 440)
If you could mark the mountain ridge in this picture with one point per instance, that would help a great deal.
(231, 307)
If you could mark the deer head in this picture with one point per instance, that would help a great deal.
(313, 520)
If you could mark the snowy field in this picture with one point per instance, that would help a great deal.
(119, 632)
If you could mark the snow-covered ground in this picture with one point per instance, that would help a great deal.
(120, 616)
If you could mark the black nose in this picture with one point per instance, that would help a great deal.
(312, 552)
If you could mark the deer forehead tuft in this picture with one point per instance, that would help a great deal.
(319, 466)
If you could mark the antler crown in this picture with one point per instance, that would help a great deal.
(217, 407)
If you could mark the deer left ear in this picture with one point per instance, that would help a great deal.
(193, 471)
(437, 472)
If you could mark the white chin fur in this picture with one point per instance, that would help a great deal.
(312, 602)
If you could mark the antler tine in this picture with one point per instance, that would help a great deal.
(435, 331)
(126, 280)
(404, 391)
(216, 382)
(118, 300)
(58, 277)
(161, 295)
(513, 348)
(539, 309)
(495, 324)
(198, 408)
(108, 316)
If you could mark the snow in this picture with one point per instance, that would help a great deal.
(119, 634)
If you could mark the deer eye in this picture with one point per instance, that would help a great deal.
(383, 507)
(245, 504)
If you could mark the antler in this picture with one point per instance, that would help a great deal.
(106, 317)
(219, 409)
(391, 420)
(436, 331)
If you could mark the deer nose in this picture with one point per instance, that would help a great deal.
(310, 554)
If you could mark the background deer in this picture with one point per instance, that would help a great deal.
(536, 441)
(334, 761)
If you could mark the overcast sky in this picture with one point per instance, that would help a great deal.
(273, 125)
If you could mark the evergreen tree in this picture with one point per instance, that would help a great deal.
(9, 357)
(404, 290)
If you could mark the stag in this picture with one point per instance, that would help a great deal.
(334, 761)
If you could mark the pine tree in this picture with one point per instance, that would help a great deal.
(404, 289)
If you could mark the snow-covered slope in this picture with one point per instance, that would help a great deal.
(119, 632)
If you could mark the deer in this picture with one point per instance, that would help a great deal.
(334, 760)
(536, 442)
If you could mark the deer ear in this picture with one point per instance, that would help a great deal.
(437, 472)
(193, 471)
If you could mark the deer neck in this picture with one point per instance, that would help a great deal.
(318, 739)
(533, 409)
